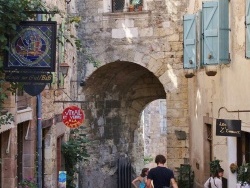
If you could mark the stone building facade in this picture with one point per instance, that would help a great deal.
(18, 140)
(140, 60)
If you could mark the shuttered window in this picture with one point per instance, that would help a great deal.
(247, 28)
(215, 27)
(189, 39)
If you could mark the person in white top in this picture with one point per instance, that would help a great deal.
(215, 181)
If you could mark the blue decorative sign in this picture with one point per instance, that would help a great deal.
(33, 47)
(62, 177)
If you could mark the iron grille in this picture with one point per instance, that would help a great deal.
(118, 5)
(124, 173)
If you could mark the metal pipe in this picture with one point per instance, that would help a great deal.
(39, 133)
(39, 141)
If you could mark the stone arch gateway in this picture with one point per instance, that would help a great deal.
(117, 93)
(140, 55)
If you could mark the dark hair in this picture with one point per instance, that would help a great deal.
(160, 159)
(143, 172)
(220, 170)
(217, 172)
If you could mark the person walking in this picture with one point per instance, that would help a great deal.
(142, 179)
(161, 176)
(214, 181)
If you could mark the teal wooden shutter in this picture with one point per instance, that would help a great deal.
(215, 25)
(189, 40)
(199, 40)
(247, 28)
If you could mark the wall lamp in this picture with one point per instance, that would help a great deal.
(67, 1)
(64, 68)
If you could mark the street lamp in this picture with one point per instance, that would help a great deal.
(64, 67)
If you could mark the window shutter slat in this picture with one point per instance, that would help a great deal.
(247, 28)
(210, 32)
(215, 26)
(189, 40)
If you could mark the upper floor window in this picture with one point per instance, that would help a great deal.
(123, 5)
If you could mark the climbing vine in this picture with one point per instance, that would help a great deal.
(12, 12)
(74, 151)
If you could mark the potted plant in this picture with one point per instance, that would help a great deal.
(233, 167)
(131, 8)
(214, 166)
(243, 176)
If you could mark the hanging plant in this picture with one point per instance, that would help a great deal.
(233, 167)
(243, 174)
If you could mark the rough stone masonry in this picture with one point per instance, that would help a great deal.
(140, 60)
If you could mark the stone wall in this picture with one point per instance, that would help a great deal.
(140, 60)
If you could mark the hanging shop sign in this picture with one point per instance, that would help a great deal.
(32, 48)
(73, 116)
(29, 77)
(225, 127)
(34, 89)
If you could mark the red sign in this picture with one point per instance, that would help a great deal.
(73, 116)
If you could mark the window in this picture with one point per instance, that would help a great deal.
(122, 5)
(207, 33)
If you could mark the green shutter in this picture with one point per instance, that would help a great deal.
(215, 25)
(189, 39)
(247, 28)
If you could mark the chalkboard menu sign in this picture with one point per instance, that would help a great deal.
(225, 127)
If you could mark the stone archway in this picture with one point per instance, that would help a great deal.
(116, 93)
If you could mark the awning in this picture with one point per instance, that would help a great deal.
(21, 116)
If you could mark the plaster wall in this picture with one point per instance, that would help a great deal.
(215, 96)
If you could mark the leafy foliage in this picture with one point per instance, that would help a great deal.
(28, 183)
(186, 176)
(214, 166)
(243, 174)
(12, 12)
(74, 151)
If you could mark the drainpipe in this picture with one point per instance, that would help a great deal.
(39, 133)
(39, 141)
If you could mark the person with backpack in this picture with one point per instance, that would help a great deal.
(141, 179)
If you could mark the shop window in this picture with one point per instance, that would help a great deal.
(243, 148)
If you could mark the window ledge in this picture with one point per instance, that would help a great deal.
(119, 14)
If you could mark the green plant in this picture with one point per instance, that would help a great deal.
(12, 12)
(28, 183)
(186, 176)
(243, 174)
(148, 159)
(74, 151)
(214, 166)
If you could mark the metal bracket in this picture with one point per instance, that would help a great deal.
(27, 133)
(8, 145)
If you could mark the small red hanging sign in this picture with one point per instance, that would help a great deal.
(73, 116)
